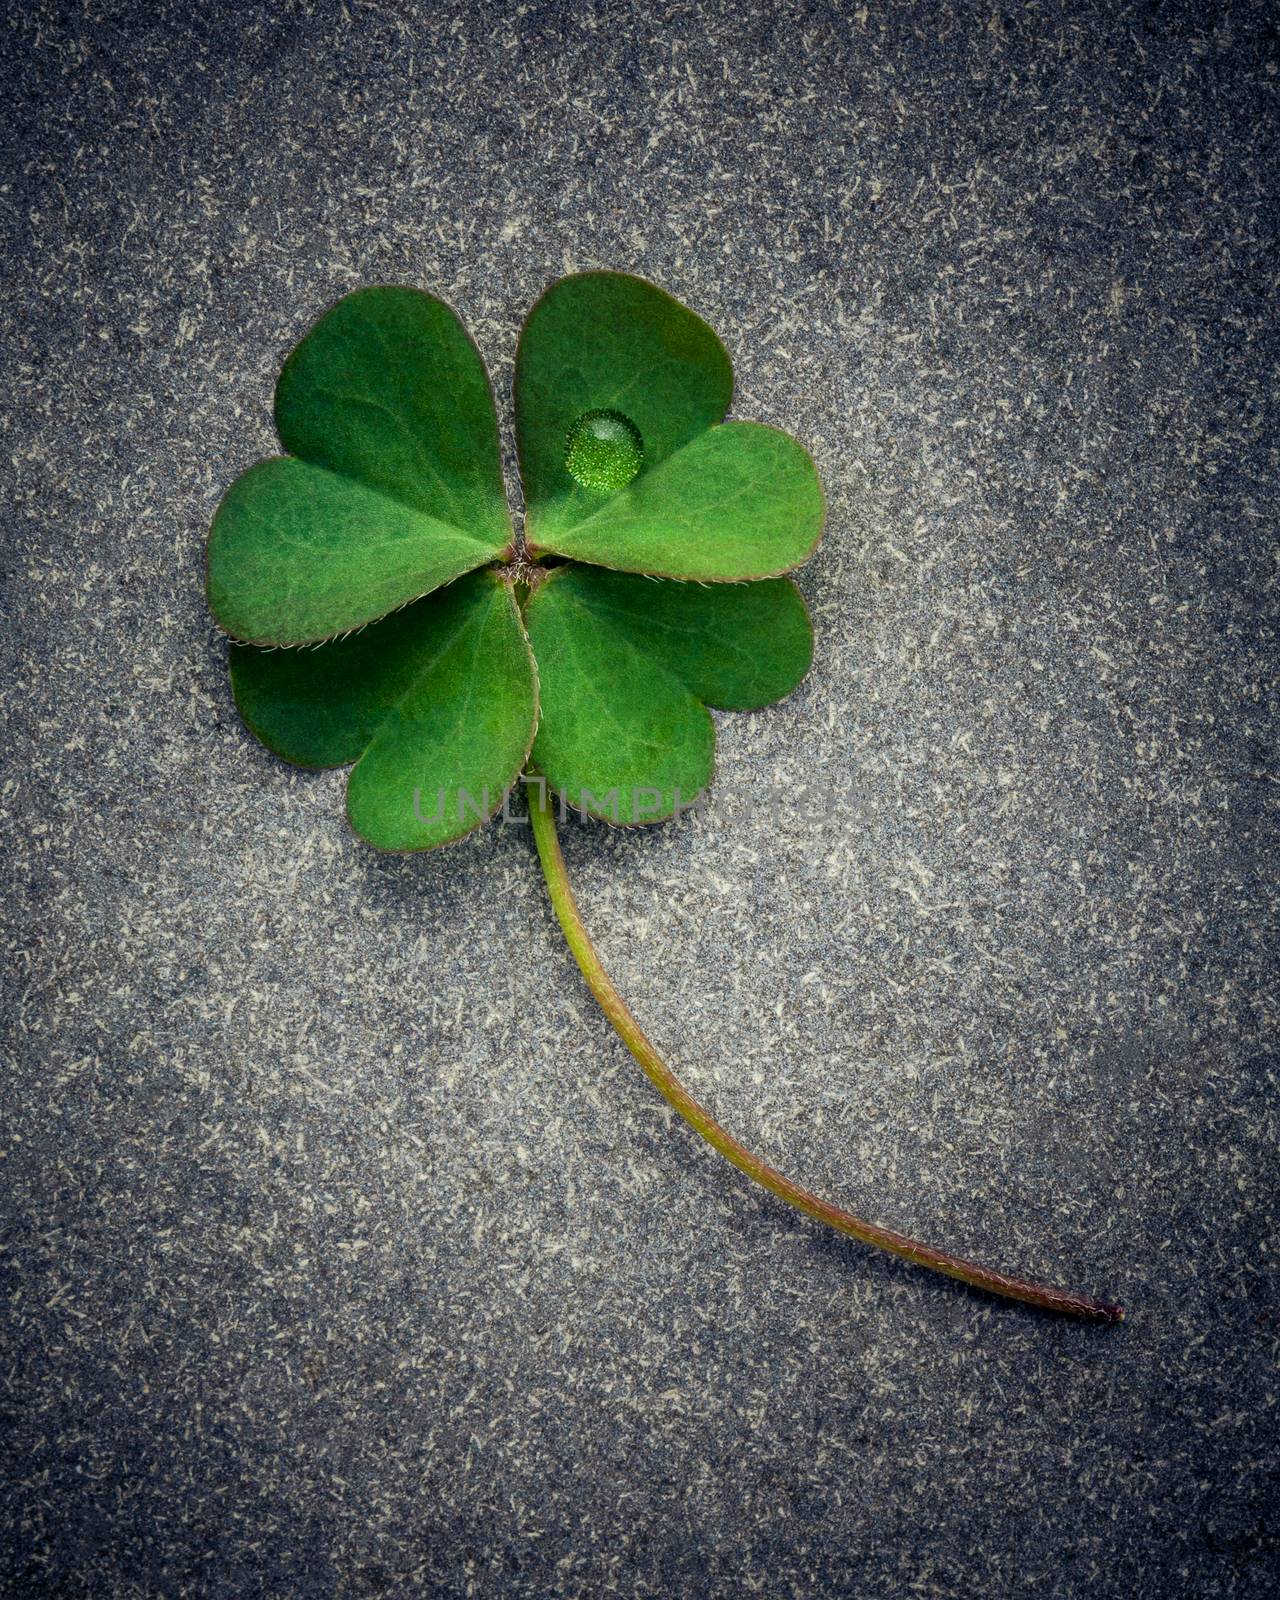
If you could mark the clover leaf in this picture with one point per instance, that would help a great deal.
(391, 493)
(713, 501)
(392, 482)
(388, 617)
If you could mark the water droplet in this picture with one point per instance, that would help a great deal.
(604, 450)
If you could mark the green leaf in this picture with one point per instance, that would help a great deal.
(620, 735)
(392, 490)
(737, 646)
(393, 485)
(321, 706)
(436, 705)
(298, 554)
(710, 503)
(740, 501)
(606, 341)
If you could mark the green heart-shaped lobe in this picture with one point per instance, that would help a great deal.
(627, 666)
(436, 706)
(393, 482)
(710, 503)
(736, 646)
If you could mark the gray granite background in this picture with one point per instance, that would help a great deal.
(347, 1253)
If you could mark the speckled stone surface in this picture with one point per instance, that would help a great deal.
(347, 1253)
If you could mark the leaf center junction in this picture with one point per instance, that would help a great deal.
(603, 450)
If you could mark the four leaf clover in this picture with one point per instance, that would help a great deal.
(391, 619)
(445, 651)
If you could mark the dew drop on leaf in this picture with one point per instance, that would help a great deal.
(604, 450)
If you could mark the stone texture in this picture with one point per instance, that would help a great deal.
(347, 1252)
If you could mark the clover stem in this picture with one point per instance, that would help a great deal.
(541, 809)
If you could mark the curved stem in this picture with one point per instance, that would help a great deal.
(615, 1008)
